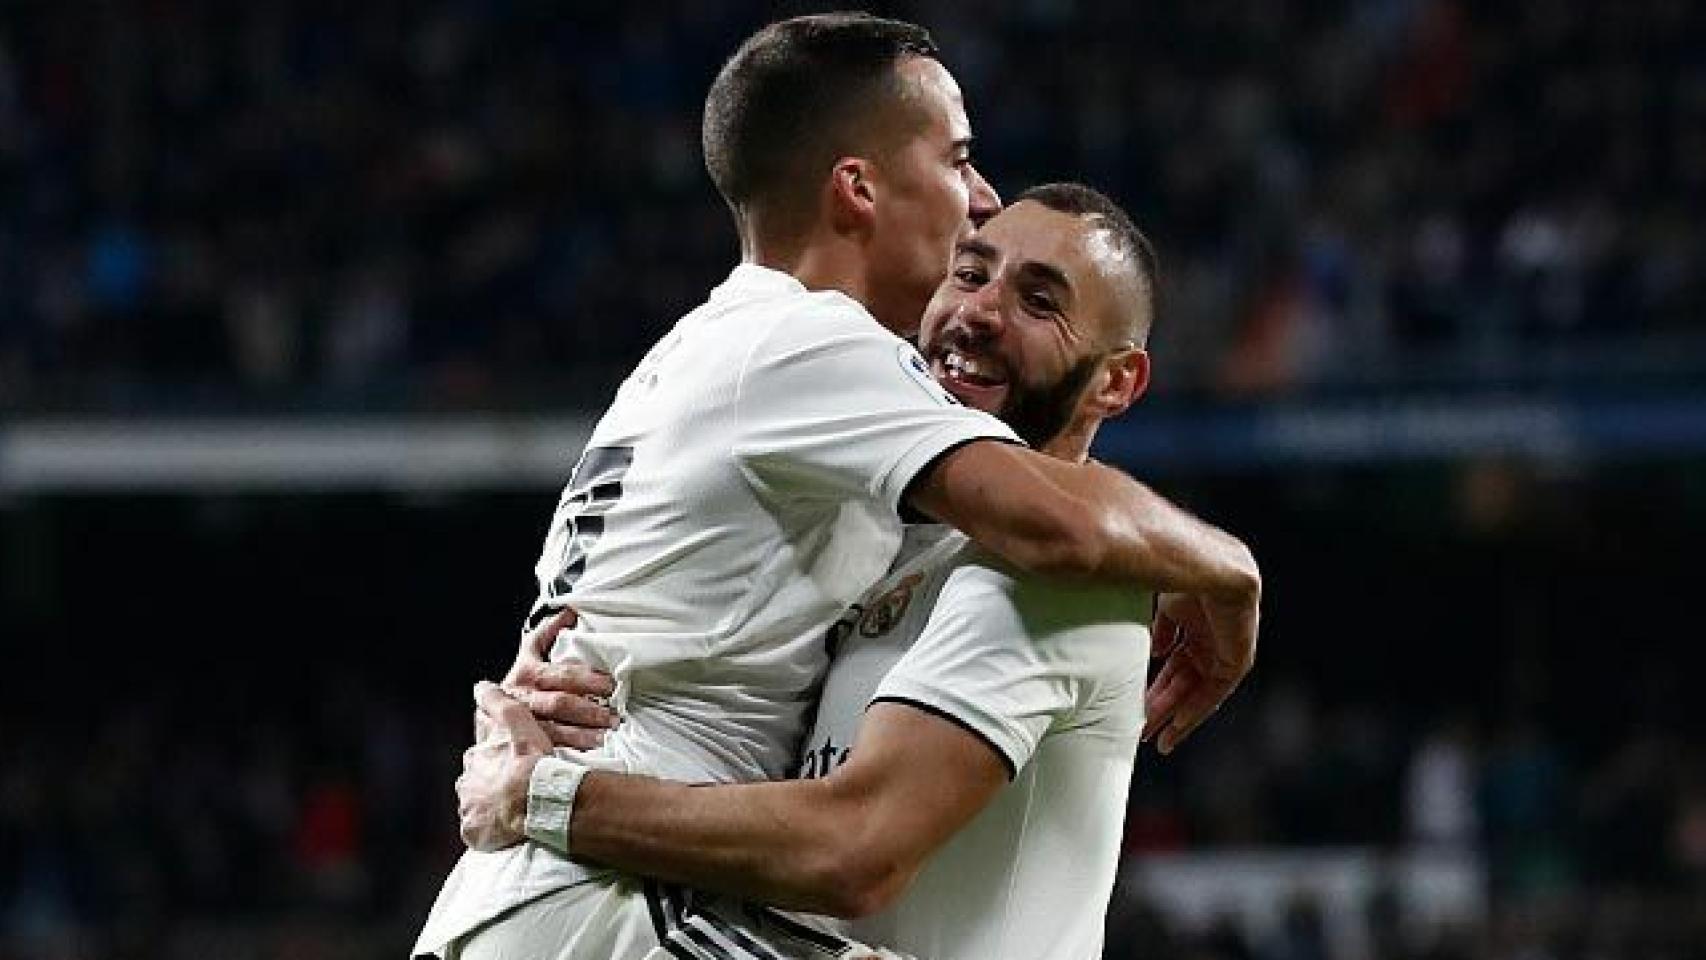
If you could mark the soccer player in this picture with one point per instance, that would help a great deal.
(975, 809)
(747, 483)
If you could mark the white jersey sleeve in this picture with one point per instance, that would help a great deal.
(838, 407)
(1012, 660)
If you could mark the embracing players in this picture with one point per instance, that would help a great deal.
(746, 485)
(977, 729)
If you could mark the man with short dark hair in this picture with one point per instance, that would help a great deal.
(859, 97)
(747, 482)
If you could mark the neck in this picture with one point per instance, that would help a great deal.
(827, 261)
(1073, 443)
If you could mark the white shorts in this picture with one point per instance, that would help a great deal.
(627, 918)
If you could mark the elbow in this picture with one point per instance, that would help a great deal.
(862, 884)
(874, 885)
(850, 876)
(1244, 579)
(861, 857)
(1253, 577)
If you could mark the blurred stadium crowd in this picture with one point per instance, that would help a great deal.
(326, 835)
(453, 202)
(265, 774)
(466, 204)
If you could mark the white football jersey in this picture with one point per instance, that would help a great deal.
(740, 492)
(1052, 677)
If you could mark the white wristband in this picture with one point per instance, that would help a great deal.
(551, 801)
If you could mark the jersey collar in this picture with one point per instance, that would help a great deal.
(750, 279)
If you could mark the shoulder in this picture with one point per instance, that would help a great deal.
(805, 313)
(1014, 659)
(1087, 635)
(791, 328)
(1048, 606)
(824, 338)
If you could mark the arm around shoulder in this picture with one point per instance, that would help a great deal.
(1017, 504)
(844, 845)
(1077, 521)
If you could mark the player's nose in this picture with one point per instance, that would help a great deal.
(981, 312)
(984, 201)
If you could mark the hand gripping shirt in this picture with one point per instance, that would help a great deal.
(740, 492)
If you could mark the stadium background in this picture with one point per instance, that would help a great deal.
(303, 306)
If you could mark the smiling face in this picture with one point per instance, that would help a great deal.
(1032, 324)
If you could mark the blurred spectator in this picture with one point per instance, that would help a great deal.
(1441, 789)
(1525, 810)
(1302, 935)
(261, 199)
(161, 828)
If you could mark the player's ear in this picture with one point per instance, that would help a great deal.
(852, 194)
(1123, 377)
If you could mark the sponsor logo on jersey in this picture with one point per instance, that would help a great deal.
(919, 371)
(823, 759)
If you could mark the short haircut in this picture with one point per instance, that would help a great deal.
(797, 95)
(1082, 201)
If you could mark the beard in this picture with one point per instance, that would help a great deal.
(1038, 413)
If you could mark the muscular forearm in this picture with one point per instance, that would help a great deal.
(1083, 521)
(773, 842)
(1147, 539)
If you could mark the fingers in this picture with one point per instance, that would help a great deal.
(569, 676)
(1163, 636)
(578, 738)
(1204, 700)
(478, 764)
(491, 792)
(511, 717)
(539, 641)
(1181, 698)
(503, 709)
(1164, 695)
(534, 669)
(477, 819)
(568, 708)
(1209, 649)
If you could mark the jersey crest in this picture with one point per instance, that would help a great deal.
(888, 610)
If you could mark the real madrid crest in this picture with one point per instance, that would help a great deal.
(888, 609)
